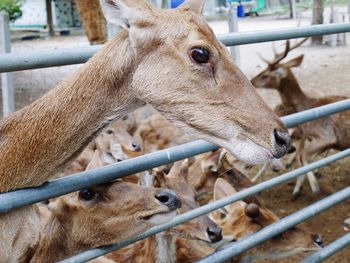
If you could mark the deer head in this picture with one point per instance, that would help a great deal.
(276, 71)
(189, 76)
(118, 143)
(241, 219)
(112, 212)
(199, 229)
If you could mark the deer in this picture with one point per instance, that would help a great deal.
(114, 143)
(184, 243)
(101, 215)
(157, 133)
(162, 57)
(240, 219)
(94, 23)
(330, 132)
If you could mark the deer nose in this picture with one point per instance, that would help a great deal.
(136, 146)
(318, 240)
(282, 142)
(214, 234)
(169, 198)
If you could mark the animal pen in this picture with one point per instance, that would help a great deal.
(23, 197)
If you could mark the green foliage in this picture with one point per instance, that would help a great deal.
(12, 7)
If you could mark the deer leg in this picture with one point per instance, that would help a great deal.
(317, 146)
(294, 156)
(300, 179)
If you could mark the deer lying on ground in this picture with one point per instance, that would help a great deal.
(101, 215)
(183, 243)
(241, 219)
(114, 143)
(158, 133)
(170, 59)
(332, 132)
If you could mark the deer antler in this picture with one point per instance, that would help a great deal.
(280, 56)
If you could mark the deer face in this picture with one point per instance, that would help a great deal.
(190, 77)
(270, 78)
(276, 71)
(199, 229)
(241, 219)
(114, 211)
(109, 213)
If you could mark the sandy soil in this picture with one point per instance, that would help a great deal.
(325, 71)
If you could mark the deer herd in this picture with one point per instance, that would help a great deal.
(162, 58)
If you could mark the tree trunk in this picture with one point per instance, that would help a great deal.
(317, 18)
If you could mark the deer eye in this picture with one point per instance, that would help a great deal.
(200, 55)
(87, 194)
(109, 131)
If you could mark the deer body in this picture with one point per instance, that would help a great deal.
(94, 23)
(162, 58)
(332, 132)
(240, 219)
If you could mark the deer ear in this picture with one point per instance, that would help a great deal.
(195, 6)
(295, 62)
(95, 161)
(125, 13)
(222, 189)
(159, 177)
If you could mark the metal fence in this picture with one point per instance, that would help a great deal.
(54, 188)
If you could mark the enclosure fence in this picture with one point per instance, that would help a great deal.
(23, 197)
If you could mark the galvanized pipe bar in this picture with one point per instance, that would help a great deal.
(277, 228)
(183, 218)
(54, 188)
(282, 34)
(329, 250)
(45, 59)
(33, 60)
(315, 113)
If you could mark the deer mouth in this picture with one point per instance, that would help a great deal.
(160, 218)
(248, 150)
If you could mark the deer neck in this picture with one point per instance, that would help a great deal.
(165, 249)
(291, 93)
(55, 243)
(39, 140)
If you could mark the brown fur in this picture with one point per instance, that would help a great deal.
(326, 133)
(149, 63)
(94, 23)
(158, 133)
(237, 222)
(118, 211)
(183, 243)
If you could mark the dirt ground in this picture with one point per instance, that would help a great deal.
(325, 71)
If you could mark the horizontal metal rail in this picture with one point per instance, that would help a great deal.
(183, 218)
(61, 57)
(54, 188)
(277, 228)
(329, 250)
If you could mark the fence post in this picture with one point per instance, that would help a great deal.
(233, 27)
(8, 101)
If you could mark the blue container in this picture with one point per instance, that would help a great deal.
(176, 3)
(240, 11)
